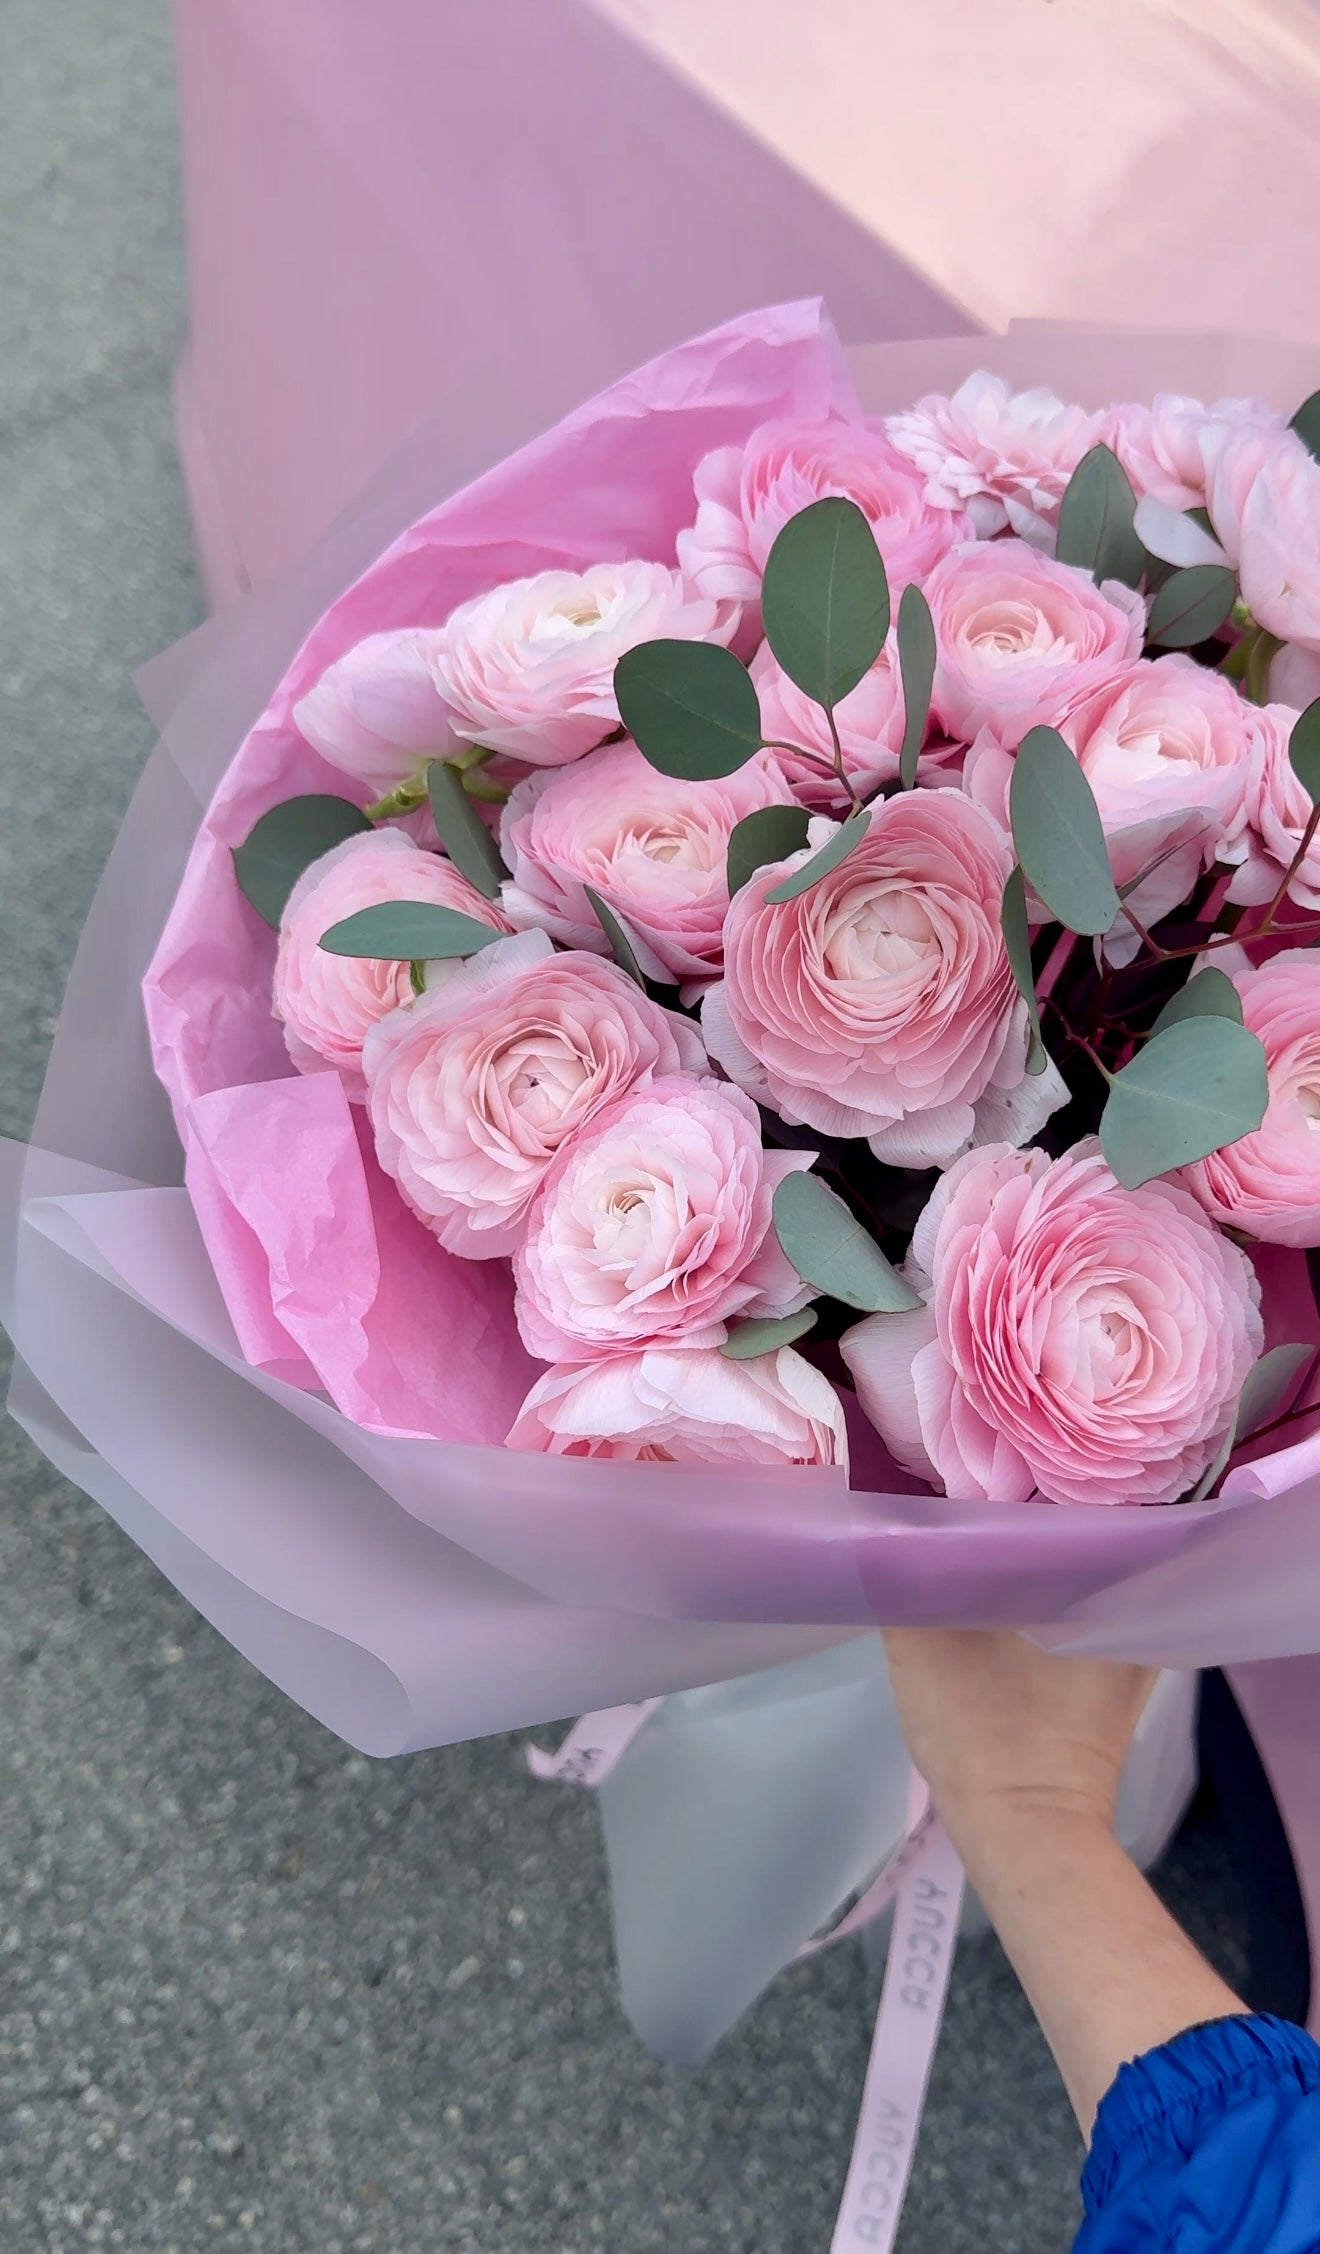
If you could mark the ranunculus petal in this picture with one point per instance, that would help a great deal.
(1173, 536)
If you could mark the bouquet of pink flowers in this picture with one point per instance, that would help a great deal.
(876, 943)
(741, 1003)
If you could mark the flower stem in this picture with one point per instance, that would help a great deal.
(1264, 649)
(1307, 838)
(405, 798)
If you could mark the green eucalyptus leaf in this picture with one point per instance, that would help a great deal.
(916, 665)
(772, 833)
(1191, 606)
(1271, 1383)
(1190, 1090)
(408, 931)
(835, 850)
(1095, 520)
(462, 832)
(825, 599)
(1208, 993)
(1058, 834)
(1304, 751)
(618, 935)
(832, 1251)
(285, 841)
(765, 1334)
(1017, 940)
(690, 707)
(1306, 423)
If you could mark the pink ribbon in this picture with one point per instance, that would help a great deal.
(924, 1879)
(907, 2029)
(594, 1746)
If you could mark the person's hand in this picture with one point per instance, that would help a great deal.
(999, 1728)
(1023, 1752)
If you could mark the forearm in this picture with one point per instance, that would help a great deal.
(1106, 1970)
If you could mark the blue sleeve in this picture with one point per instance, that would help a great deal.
(1210, 2145)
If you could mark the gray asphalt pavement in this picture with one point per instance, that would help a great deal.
(257, 1994)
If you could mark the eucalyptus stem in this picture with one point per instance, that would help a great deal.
(1308, 835)
(1256, 678)
(814, 759)
(840, 772)
(1079, 1041)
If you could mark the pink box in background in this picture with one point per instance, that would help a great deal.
(490, 208)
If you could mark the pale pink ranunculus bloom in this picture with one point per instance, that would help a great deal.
(1167, 748)
(880, 1003)
(474, 1089)
(1245, 461)
(376, 713)
(327, 1003)
(654, 1225)
(1080, 1342)
(1170, 448)
(1267, 1183)
(1022, 639)
(870, 721)
(1278, 552)
(686, 1405)
(654, 848)
(529, 667)
(1004, 456)
(1278, 810)
(1165, 736)
(747, 494)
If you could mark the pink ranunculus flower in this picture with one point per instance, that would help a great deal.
(1278, 556)
(329, 1003)
(474, 1089)
(529, 667)
(1165, 735)
(880, 1003)
(1235, 469)
(686, 1405)
(1004, 456)
(655, 849)
(1167, 750)
(1170, 448)
(870, 721)
(376, 713)
(654, 1226)
(1023, 640)
(1267, 1183)
(746, 495)
(1278, 810)
(1081, 1342)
